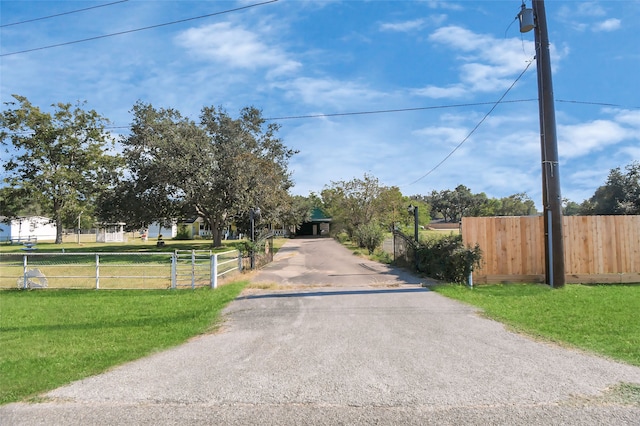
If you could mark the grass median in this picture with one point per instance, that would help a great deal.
(601, 319)
(50, 338)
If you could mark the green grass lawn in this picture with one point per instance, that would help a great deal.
(602, 319)
(51, 337)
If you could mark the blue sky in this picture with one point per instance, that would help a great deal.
(299, 58)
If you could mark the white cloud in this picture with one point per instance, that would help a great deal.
(327, 92)
(608, 25)
(488, 63)
(582, 139)
(449, 135)
(413, 25)
(629, 117)
(437, 4)
(236, 47)
(435, 92)
(405, 26)
(588, 8)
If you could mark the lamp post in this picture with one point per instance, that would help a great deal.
(253, 213)
(414, 209)
(79, 216)
(551, 198)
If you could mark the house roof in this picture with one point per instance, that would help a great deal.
(317, 215)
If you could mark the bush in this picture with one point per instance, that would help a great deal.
(183, 233)
(342, 237)
(369, 236)
(446, 258)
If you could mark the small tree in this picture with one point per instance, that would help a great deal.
(369, 235)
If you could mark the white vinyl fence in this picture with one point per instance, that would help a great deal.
(146, 270)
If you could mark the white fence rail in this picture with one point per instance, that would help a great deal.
(147, 270)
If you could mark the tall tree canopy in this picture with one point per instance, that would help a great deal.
(359, 202)
(60, 161)
(453, 205)
(217, 169)
(619, 195)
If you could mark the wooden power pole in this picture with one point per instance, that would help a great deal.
(552, 200)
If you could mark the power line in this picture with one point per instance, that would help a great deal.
(61, 14)
(434, 107)
(495, 105)
(382, 111)
(597, 103)
(386, 111)
(140, 29)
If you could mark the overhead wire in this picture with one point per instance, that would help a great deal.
(140, 29)
(495, 105)
(386, 111)
(597, 103)
(397, 110)
(62, 14)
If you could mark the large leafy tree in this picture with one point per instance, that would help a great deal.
(218, 169)
(619, 195)
(453, 205)
(60, 160)
(516, 205)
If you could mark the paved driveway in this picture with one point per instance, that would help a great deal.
(332, 343)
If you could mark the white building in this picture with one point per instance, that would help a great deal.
(31, 228)
(156, 228)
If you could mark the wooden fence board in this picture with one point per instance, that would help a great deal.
(596, 248)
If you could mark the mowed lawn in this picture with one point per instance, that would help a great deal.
(51, 337)
(603, 319)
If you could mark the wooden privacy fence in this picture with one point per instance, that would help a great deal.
(597, 249)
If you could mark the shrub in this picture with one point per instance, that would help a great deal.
(446, 258)
(183, 233)
(369, 236)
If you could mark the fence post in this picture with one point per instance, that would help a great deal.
(214, 271)
(193, 269)
(97, 271)
(24, 272)
(174, 269)
(239, 261)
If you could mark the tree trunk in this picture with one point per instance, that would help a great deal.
(58, 228)
(216, 231)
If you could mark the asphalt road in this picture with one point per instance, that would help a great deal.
(338, 340)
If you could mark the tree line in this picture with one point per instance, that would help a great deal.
(67, 165)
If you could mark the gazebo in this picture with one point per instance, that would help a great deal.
(111, 233)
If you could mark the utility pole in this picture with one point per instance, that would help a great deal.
(551, 197)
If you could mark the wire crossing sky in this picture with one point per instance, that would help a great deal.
(386, 88)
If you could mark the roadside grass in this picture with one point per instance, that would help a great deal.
(52, 337)
(601, 319)
(278, 243)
